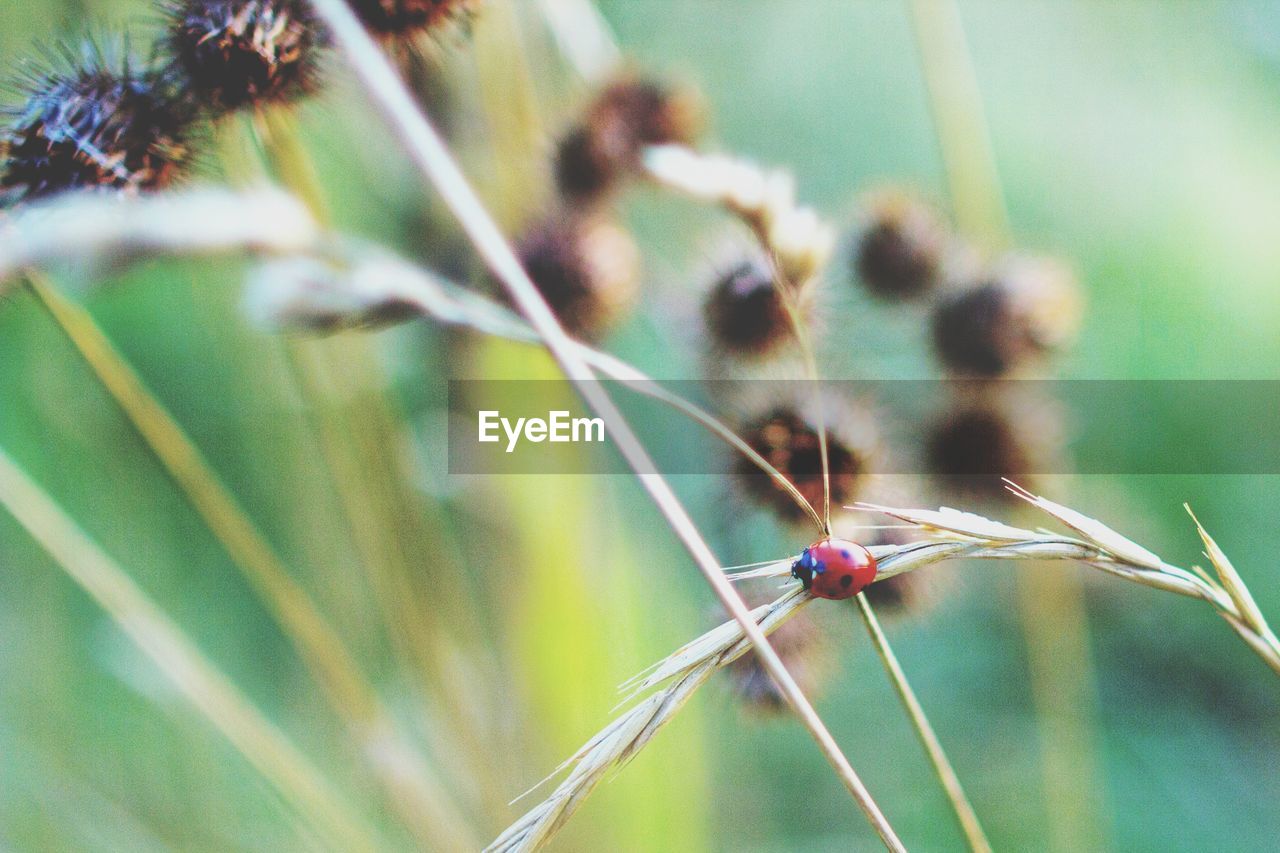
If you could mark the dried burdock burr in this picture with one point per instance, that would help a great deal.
(407, 18)
(604, 147)
(586, 269)
(1023, 308)
(94, 119)
(897, 249)
(808, 659)
(971, 449)
(237, 53)
(786, 435)
(745, 312)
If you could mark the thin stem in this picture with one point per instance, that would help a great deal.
(955, 102)
(329, 374)
(428, 152)
(635, 380)
(805, 345)
(583, 37)
(425, 805)
(214, 695)
(928, 738)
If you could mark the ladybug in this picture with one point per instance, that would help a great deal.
(834, 568)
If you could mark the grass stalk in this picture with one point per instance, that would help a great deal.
(955, 104)
(429, 154)
(965, 813)
(425, 806)
(265, 747)
(340, 380)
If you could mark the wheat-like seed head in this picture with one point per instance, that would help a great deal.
(687, 669)
(99, 227)
(954, 534)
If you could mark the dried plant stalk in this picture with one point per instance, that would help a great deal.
(264, 746)
(98, 226)
(409, 783)
(433, 160)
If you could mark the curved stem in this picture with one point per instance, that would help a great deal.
(805, 345)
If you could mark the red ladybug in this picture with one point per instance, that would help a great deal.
(835, 568)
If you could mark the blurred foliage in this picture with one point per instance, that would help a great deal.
(1136, 139)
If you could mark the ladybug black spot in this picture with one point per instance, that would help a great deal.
(846, 581)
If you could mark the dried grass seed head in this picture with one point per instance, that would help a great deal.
(237, 53)
(94, 118)
(799, 240)
(587, 269)
(1023, 308)
(408, 18)
(898, 247)
(604, 148)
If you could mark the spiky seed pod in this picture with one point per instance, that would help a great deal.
(970, 449)
(236, 53)
(99, 122)
(1025, 307)
(745, 313)
(604, 148)
(799, 642)
(787, 437)
(586, 269)
(405, 18)
(898, 247)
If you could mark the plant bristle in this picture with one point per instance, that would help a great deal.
(235, 53)
(97, 123)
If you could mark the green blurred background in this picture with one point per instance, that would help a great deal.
(1138, 140)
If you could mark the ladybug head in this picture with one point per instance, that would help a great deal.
(806, 567)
